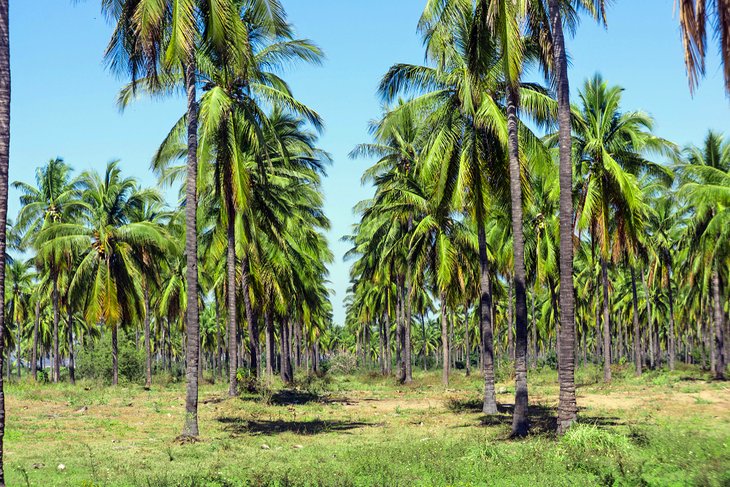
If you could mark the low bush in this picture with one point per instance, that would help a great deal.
(94, 362)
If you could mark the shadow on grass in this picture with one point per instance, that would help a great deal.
(294, 397)
(543, 419)
(239, 426)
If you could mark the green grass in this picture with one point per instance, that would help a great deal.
(660, 429)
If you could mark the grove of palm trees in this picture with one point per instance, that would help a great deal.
(530, 287)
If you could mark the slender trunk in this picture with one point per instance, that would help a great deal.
(520, 423)
(510, 322)
(444, 341)
(56, 317)
(388, 357)
(485, 322)
(218, 359)
(402, 368)
(231, 292)
(4, 163)
(147, 344)
(270, 345)
(567, 407)
(719, 328)
(534, 333)
(381, 342)
(18, 353)
(671, 343)
(606, 323)
(286, 371)
(70, 337)
(423, 347)
(190, 425)
(298, 344)
(253, 329)
(34, 352)
(115, 356)
(467, 344)
(637, 331)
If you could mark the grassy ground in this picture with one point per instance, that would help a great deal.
(661, 429)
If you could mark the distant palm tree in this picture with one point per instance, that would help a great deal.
(20, 278)
(54, 200)
(694, 15)
(110, 273)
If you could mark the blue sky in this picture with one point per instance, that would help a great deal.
(63, 100)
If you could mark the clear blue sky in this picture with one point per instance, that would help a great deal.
(63, 99)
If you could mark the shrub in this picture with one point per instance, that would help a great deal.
(95, 361)
(342, 363)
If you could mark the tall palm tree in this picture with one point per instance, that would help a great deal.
(4, 166)
(20, 280)
(160, 40)
(554, 41)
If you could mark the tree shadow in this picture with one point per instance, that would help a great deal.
(294, 397)
(239, 426)
(543, 419)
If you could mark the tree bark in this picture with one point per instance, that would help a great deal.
(70, 337)
(567, 407)
(485, 321)
(190, 425)
(115, 356)
(444, 341)
(672, 344)
(270, 345)
(637, 331)
(407, 329)
(253, 329)
(719, 371)
(467, 344)
(34, 352)
(147, 344)
(520, 422)
(231, 293)
(606, 323)
(287, 375)
(56, 317)
(4, 163)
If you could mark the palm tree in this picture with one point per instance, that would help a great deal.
(694, 15)
(160, 41)
(54, 200)
(110, 272)
(20, 279)
(706, 185)
(610, 147)
(555, 44)
(4, 166)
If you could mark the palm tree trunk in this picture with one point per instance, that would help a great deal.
(637, 331)
(253, 331)
(381, 341)
(606, 323)
(34, 352)
(467, 344)
(4, 163)
(485, 321)
(567, 407)
(70, 337)
(147, 345)
(534, 333)
(510, 322)
(231, 294)
(270, 345)
(407, 330)
(190, 425)
(388, 356)
(719, 371)
(520, 417)
(672, 344)
(56, 356)
(444, 341)
(286, 370)
(115, 356)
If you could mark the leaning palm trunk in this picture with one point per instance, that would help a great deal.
(719, 370)
(520, 417)
(606, 323)
(231, 294)
(444, 341)
(567, 407)
(637, 332)
(485, 323)
(190, 425)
